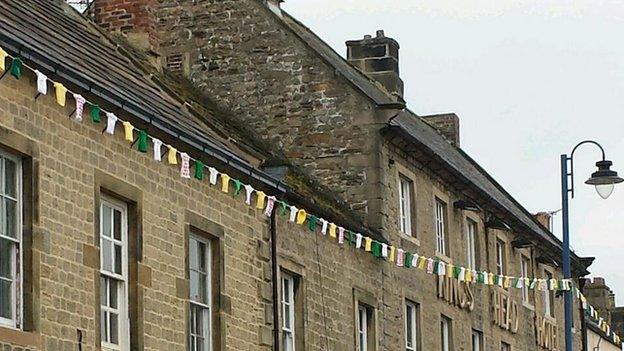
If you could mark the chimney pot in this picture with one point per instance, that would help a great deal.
(379, 59)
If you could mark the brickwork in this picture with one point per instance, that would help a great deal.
(135, 18)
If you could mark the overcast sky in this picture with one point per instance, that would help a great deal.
(528, 79)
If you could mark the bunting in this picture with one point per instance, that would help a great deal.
(381, 250)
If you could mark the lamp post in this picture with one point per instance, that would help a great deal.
(604, 179)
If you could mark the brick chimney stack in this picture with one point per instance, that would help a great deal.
(136, 19)
(379, 59)
(544, 219)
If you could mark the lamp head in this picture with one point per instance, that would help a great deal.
(604, 179)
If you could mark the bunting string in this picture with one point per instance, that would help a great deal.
(267, 203)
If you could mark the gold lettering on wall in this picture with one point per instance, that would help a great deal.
(505, 311)
(455, 293)
(546, 333)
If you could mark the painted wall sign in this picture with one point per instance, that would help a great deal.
(455, 292)
(546, 333)
(505, 311)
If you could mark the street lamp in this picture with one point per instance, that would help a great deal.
(604, 179)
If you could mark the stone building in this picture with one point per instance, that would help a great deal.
(602, 298)
(111, 249)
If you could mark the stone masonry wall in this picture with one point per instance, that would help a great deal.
(239, 53)
(71, 155)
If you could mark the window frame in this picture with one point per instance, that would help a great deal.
(505, 346)
(406, 206)
(549, 297)
(525, 272)
(501, 257)
(471, 243)
(362, 327)
(123, 324)
(477, 335)
(414, 317)
(291, 279)
(207, 308)
(441, 215)
(17, 247)
(446, 333)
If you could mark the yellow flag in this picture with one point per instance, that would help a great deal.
(507, 282)
(61, 93)
(332, 230)
(391, 254)
(449, 270)
(421, 262)
(225, 183)
(491, 279)
(128, 129)
(3, 56)
(260, 200)
(368, 242)
(172, 157)
(468, 276)
(302, 215)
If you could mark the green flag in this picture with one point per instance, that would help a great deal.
(142, 143)
(199, 170)
(95, 113)
(16, 67)
(312, 220)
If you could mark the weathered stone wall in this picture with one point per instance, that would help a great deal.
(71, 158)
(240, 53)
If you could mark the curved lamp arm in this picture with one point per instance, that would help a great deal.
(571, 159)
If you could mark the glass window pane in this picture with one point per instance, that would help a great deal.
(193, 254)
(10, 180)
(114, 328)
(10, 218)
(107, 259)
(199, 321)
(106, 221)
(201, 248)
(195, 296)
(103, 291)
(118, 259)
(117, 224)
(104, 325)
(6, 259)
(113, 293)
(6, 310)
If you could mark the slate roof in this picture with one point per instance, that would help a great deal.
(462, 165)
(70, 48)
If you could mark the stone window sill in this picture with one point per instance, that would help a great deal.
(409, 238)
(443, 257)
(20, 338)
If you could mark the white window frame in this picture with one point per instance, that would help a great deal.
(17, 281)
(471, 243)
(405, 205)
(548, 297)
(440, 221)
(362, 323)
(500, 257)
(525, 271)
(206, 308)
(123, 323)
(477, 340)
(288, 309)
(445, 334)
(412, 326)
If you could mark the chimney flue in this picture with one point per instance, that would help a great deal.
(379, 59)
